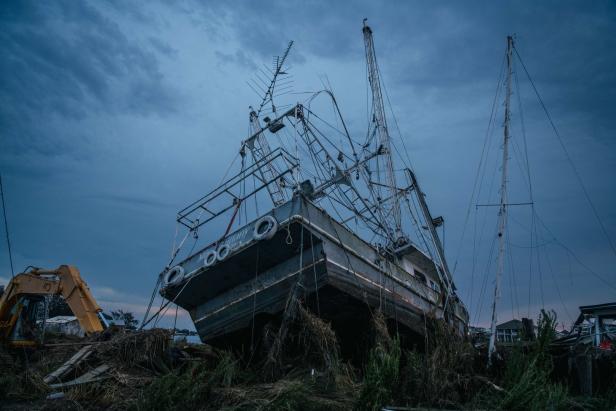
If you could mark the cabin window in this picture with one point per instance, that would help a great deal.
(421, 276)
(507, 335)
(435, 286)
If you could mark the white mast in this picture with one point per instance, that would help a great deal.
(378, 109)
(502, 212)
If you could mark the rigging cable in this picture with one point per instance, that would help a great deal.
(569, 159)
(485, 277)
(254, 302)
(529, 183)
(314, 272)
(484, 223)
(565, 248)
(175, 253)
(481, 161)
(569, 251)
(560, 297)
(536, 233)
(6, 227)
(512, 275)
(484, 284)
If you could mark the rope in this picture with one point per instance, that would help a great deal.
(254, 302)
(569, 251)
(569, 159)
(481, 162)
(314, 272)
(6, 228)
(147, 311)
(174, 254)
(333, 226)
(175, 320)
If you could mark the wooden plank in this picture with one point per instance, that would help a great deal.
(91, 376)
(65, 368)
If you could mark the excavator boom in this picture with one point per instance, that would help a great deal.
(65, 281)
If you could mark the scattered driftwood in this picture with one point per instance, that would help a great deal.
(94, 375)
(70, 365)
(103, 357)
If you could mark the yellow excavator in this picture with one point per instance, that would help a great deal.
(21, 301)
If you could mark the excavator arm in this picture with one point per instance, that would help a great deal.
(65, 281)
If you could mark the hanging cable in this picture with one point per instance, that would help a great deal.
(569, 159)
(481, 158)
(6, 227)
(254, 302)
(175, 320)
(575, 257)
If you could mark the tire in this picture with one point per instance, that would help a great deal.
(210, 258)
(265, 228)
(174, 276)
(223, 252)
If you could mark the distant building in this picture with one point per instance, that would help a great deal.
(509, 332)
(64, 324)
(595, 326)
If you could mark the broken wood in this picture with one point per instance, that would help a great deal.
(91, 376)
(65, 368)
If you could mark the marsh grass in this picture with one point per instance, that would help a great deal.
(443, 373)
(528, 373)
(382, 371)
(447, 373)
(190, 387)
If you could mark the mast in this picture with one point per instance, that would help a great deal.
(378, 109)
(442, 268)
(502, 212)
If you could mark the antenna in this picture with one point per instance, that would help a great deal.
(384, 140)
(257, 143)
(277, 71)
(502, 211)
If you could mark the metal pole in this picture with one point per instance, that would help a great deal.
(502, 213)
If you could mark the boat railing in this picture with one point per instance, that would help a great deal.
(222, 199)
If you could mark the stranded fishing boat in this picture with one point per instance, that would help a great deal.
(337, 236)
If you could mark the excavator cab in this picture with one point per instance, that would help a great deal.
(21, 328)
(22, 304)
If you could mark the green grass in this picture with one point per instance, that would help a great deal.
(189, 388)
(381, 376)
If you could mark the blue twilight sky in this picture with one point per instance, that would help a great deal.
(115, 114)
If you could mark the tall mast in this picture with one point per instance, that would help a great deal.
(502, 212)
(378, 109)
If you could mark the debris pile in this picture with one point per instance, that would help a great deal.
(146, 370)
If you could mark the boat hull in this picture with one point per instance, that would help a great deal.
(330, 263)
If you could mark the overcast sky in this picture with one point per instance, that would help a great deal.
(116, 114)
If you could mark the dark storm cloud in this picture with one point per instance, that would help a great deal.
(238, 58)
(66, 59)
(447, 44)
(265, 29)
(132, 201)
(163, 47)
(116, 113)
(448, 54)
